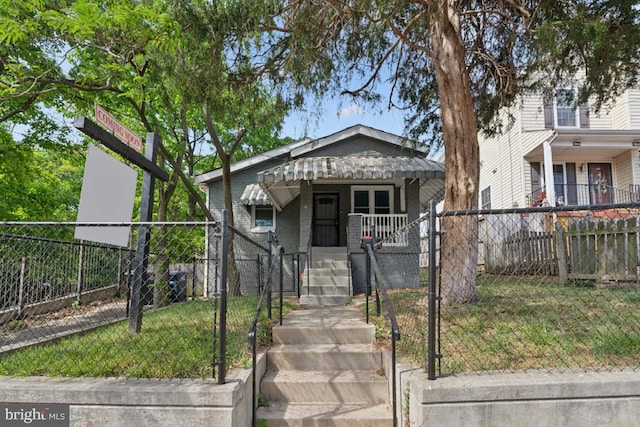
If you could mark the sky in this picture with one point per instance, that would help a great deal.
(335, 115)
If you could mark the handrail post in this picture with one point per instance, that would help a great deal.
(223, 298)
(281, 281)
(367, 287)
(431, 338)
(270, 257)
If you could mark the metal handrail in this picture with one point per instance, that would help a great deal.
(308, 264)
(251, 336)
(381, 286)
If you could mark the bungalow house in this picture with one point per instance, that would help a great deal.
(322, 196)
(560, 153)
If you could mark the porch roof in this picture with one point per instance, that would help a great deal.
(282, 183)
(253, 195)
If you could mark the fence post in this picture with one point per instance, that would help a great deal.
(80, 271)
(21, 295)
(259, 273)
(223, 299)
(561, 251)
(140, 277)
(431, 339)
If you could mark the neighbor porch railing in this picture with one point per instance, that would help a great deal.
(584, 194)
(383, 226)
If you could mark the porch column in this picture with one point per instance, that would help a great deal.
(548, 173)
(306, 209)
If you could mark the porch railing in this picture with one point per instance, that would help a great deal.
(584, 194)
(385, 225)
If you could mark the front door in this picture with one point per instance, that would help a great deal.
(600, 184)
(325, 219)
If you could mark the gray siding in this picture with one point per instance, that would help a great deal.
(359, 144)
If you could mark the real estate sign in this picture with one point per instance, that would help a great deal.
(108, 191)
(119, 130)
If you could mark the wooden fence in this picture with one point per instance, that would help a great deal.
(602, 248)
(577, 248)
(525, 252)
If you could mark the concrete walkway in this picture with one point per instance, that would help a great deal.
(56, 325)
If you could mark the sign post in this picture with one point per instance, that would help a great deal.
(144, 237)
(150, 172)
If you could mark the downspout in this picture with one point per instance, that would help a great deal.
(548, 169)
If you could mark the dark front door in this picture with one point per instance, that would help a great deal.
(600, 184)
(325, 219)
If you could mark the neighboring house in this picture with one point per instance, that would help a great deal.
(330, 192)
(559, 153)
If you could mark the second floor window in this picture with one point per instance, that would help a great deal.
(566, 110)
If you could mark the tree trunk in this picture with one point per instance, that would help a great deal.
(161, 288)
(233, 276)
(459, 253)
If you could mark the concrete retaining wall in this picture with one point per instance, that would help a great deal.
(518, 399)
(530, 399)
(141, 402)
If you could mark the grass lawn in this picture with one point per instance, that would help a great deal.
(176, 342)
(525, 323)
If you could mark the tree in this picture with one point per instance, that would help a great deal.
(125, 55)
(453, 64)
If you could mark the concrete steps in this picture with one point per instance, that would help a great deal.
(324, 370)
(328, 278)
(326, 415)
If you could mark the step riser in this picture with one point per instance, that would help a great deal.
(323, 361)
(327, 281)
(327, 290)
(323, 300)
(326, 415)
(341, 272)
(311, 335)
(360, 422)
(329, 264)
(360, 393)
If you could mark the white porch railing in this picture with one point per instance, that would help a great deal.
(383, 226)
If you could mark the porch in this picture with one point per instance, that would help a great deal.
(579, 167)
(585, 195)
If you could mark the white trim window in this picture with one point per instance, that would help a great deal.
(566, 110)
(263, 218)
(485, 198)
(372, 199)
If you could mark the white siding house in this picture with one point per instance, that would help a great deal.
(558, 153)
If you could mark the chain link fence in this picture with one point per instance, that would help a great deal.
(553, 289)
(65, 304)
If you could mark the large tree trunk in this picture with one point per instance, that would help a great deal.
(161, 287)
(459, 250)
(233, 276)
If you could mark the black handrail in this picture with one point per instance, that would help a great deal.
(308, 263)
(251, 336)
(381, 286)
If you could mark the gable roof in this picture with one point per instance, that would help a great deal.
(304, 146)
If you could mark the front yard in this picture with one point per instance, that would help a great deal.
(176, 342)
(525, 323)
